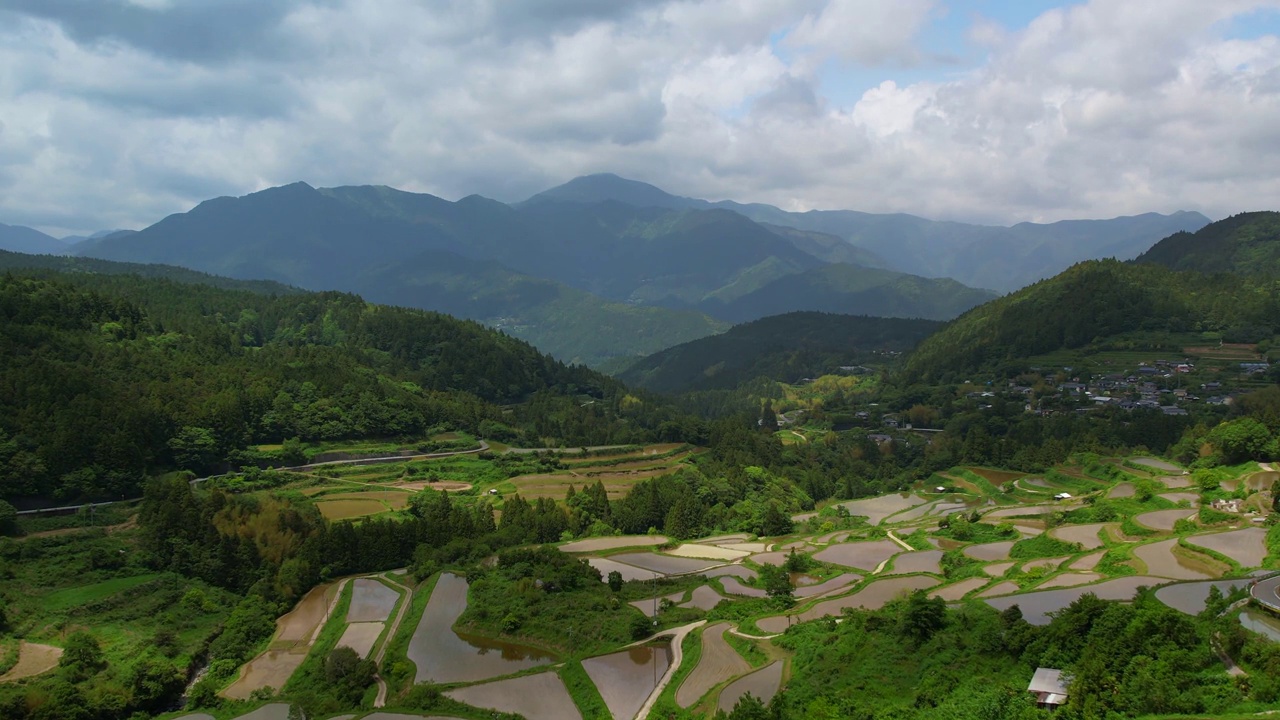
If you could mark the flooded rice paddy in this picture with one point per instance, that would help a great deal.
(1088, 562)
(718, 663)
(1158, 464)
(769, 558)
(704, 597)
(1191, 597)
(706, 552)
(371, 601)
(734, 587)
(763, 684)
(872, 597)
(878, 508)
(444, 656)
(1003, 588)
(960, 589)
(361, 637)
(738, 571)
(628, 572)
(921, 561)
(537, 697)
(822, 588)
(861, 555)
(1086, 535)
(274, 711)
(665, 564)
(1037, 605)
(1163, 519)
(626, 678)
(1247, 546)
(1069, 579)
(1122, 490)
(613, 543)
(1049, 563)
(1261, 622)
(998, 569)
(989, 551)
(1161, 560)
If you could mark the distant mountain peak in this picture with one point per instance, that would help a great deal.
(603, 187)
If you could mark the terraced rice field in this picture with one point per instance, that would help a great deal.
(1163, 519)
(998, 569)
(1191, 597)
(353, 508)
(648, 605)
(718, 663)
(33, 659)
(272, 668)
(617, 483)
(763, 684)
(361, 637)
(1086, 535)
(1069, 579)
(988, 552)
(1036, 606)
(738, 571)
(1247, 546)
(1122, 490)
(835, 583)
(443, 656)
(394, 499)
(1158, 464)
(625, 679)
(1191, 499)
(274, 711)
(878, 508)
(960, 589)
(1049, 563)
(730, 538)
(371, 601)
(757, 547)
(703, 598)
(706, 552)
(871, 597)
(734, 587)
(861, 555)
(537, 697)
(1003, 588)
(664, 564)
(613, 543)
(940, 509)
(1088, 562)
(628, 572)
(922, 561)
(1174, 482)
(289, 647)
(1025, 511)
(995, 477)
(769, 558)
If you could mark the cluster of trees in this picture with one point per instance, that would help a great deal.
(111, 378)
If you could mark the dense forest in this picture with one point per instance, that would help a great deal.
(110, 378)
(1244, 244)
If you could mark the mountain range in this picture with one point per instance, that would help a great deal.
(602, 269)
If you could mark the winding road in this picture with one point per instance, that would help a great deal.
(677, 656)
(1265, 592)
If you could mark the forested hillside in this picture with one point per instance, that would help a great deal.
(1244, 244)
(108, 378)
(783, 347)
(1090, 302)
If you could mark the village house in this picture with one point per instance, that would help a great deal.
(1049, 688)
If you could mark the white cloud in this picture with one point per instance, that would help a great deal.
(1091, 110)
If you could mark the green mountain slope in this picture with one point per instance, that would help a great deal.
(851, 290)
(109, 378)
(1088, 303)
(783, 347)
(1244, 244)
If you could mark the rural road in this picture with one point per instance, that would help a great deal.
(900, 541)
(1264, 591)
(677, 655)
(381, 699)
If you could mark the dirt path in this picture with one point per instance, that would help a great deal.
(677, 656)
(381, 699)
(33, 659)
(900, 542)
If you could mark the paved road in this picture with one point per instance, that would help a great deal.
(1265, 592)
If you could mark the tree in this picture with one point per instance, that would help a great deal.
(775, 522)
(923, 617)
(82, 657)
(777, 584)
(291, 452)
(8, 518)
(194, 448)
(615, 581)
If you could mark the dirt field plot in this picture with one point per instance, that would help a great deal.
(730, 538)
(752, 547)
(718, 663)
(1261, 480)
(371, 601)
(395, 499)
(1163, 562)
(300, 623)
(361, 636)
(1070, 580)
(33, 659)
(922, 561)
(959, 590)
(616, 484)
(704, 598)
(706, 552)
(442, 486)
(861, 555)
(1191, 597)
(989, 551)
(733, 587)
(626, 678)
(995, 477)
(1025, 511)
(1035, 606)
(1163, 519)
(274, 711)
(763, 684)
(1174, 482)
(272, 668)
(613, 543)
(1086, 535)
(537, 697)
(1247, 547)
(629, 572)
(831, 585)
(345, 509)
(664, 564)
(878, 508)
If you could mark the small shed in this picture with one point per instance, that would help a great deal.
(1049, 688)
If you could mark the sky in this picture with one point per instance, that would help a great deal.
(116, 113)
